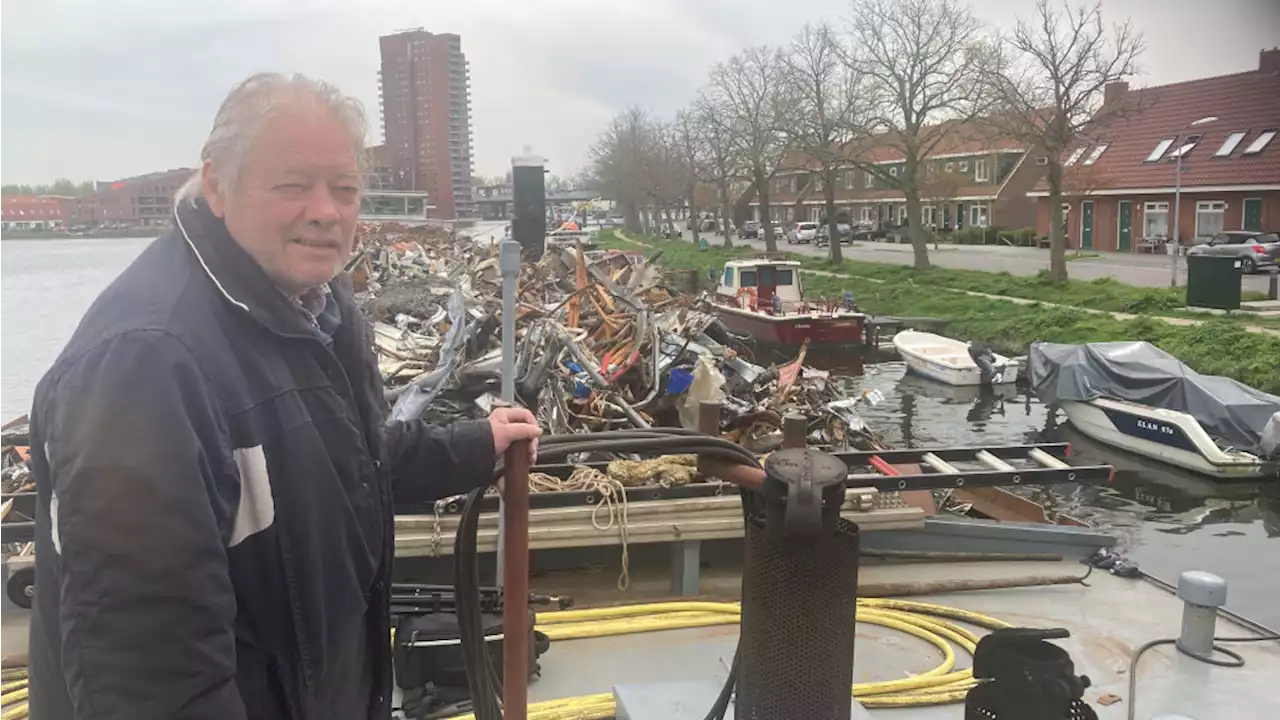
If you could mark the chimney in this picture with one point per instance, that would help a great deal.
(1114, 91)
(1269, 61)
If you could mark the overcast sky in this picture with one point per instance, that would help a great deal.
(102, 90)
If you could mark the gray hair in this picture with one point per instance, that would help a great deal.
(246, 109)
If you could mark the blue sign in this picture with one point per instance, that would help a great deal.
(1154, 430)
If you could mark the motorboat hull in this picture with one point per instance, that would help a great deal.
(795, 329)
(1172, 437)
(947, 361)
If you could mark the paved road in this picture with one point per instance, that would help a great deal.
(1142, 270)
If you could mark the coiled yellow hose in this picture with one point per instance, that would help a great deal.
(934, 624)
(14, 690)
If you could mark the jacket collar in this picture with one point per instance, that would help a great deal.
(237, 276)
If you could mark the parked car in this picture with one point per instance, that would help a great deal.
(804, 232)
(749, 230)
(845, 231)
(709, 224)
(1256, 250)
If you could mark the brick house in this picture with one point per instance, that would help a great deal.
(972, 179)
(33, 212)
(140, 201)
(1119, 192)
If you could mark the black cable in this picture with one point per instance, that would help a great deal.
(1236, 660)
(483, 681)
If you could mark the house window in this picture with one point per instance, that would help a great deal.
(1155, 220)
(951, 167)
(902, 214)
(1229, 145)
(866, 214)
(978, 216)
(1160, 149)
(1259, 142)
(1209, 214)
(1093, 156)
(964, 166)
(1075, 155)
(893, 171)
(869, 178)
(1186, 147)
(929, 215)
(817, 183)
(848, 179)
(980, 171)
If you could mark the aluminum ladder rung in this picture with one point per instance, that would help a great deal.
(992, 461)
(1044, 459)
(939, 464)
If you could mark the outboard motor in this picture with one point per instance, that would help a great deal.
(985, 360)
(1025, 678)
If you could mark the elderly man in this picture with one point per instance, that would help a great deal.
(215, 480)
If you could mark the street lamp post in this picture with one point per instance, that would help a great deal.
(1176, 244)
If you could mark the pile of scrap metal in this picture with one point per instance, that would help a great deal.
(18, 504)
(603, 344)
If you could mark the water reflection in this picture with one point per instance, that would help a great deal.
(917, 412)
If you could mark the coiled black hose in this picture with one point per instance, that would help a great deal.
(483, 680)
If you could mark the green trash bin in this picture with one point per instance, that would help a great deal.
(1213, 282)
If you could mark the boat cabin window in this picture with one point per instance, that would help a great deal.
(728, 276)
(784, 277)
(748, 278)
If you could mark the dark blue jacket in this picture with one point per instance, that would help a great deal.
(214, 521)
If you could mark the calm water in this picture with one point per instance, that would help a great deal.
(45, 286)
(1167, 520)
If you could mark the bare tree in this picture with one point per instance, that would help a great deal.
(828, 102)
(618, 162)
(748, 93)
(718, 161)
(938, 186)
(664, 178)
(926, 55)
(688, 154)
(1049, 79)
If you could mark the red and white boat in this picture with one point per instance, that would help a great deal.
(764, 298)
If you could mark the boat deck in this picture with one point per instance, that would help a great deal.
(1108, 620)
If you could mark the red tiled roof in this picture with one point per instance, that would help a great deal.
(968, 138)
(1245, 102)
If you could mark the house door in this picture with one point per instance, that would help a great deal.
(959, 216)
(1125, 233)
(766, 284)
(1252, 214)
(1086, 225)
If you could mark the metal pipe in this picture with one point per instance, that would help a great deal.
(906, 589)
(515, 614)
(1177, 210)
(794, 428)
(593, 373)
(949, 556)
(509, 267)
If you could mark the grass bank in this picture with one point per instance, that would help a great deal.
(1216, 346)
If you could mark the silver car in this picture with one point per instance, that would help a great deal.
(1256, 250)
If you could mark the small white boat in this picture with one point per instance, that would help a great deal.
(947, 360)
(1169, 436)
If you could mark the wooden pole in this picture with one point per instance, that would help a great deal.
(515, 586)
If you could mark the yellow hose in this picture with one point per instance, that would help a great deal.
(934, 624)
(14, 690)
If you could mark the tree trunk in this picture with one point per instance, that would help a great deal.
(692, 214)
(726, 214)
(1057, 243)
(762, 191)
(833, 227)
(631, 215)
(670, 220)
(915, 228)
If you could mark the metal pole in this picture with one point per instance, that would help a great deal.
(1177, 211)
(509, 266)
(515, 589)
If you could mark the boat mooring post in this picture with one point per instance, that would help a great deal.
(509, 267)
(1202, 593)
(794, 428)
